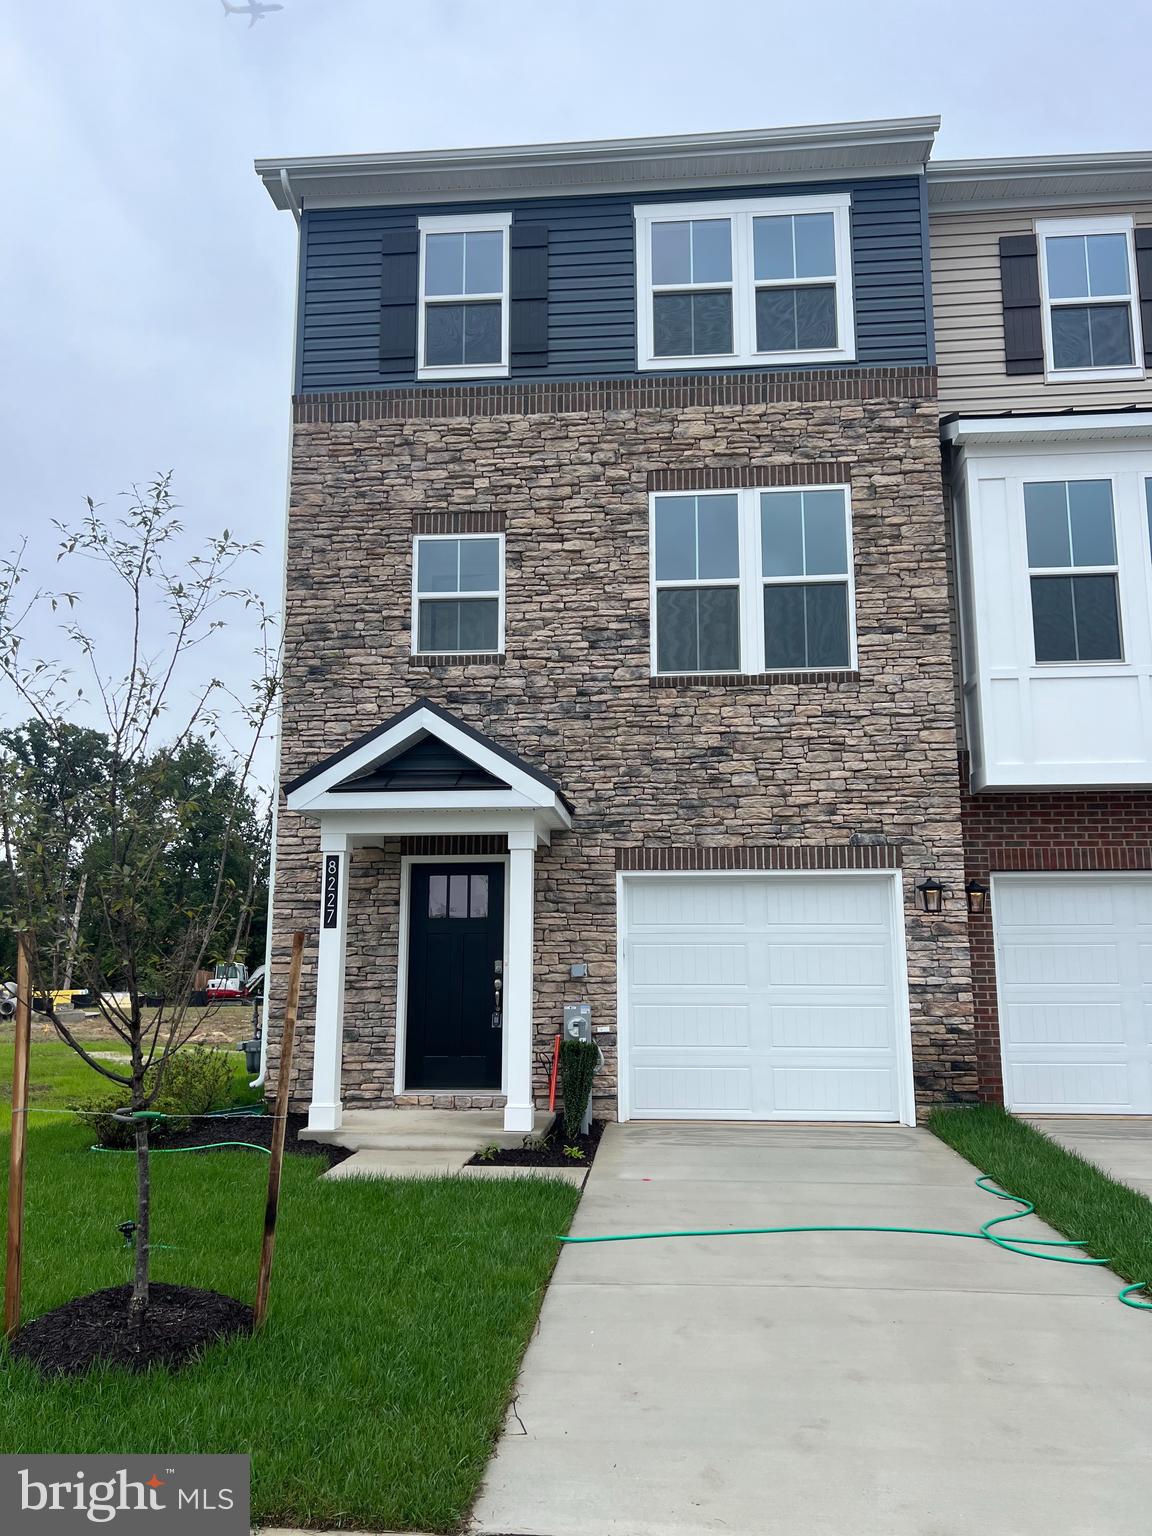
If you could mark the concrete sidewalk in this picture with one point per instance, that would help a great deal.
(819, 1384)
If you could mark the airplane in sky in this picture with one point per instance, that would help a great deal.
(255, 10)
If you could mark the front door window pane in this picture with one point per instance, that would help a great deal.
(458, 896)
(478, 896)
(437, 895)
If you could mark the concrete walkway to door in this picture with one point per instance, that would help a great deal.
(825, 1383)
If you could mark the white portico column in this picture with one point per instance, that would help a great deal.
(328, 1042)
(519, 1110)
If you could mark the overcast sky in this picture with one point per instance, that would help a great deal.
(146, 281)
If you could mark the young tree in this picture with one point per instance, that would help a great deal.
(125, 868)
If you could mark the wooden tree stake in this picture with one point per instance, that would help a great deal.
(17, 1147)
(279, 1130)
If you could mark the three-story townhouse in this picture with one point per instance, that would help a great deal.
(1042, 274)
(619, 637)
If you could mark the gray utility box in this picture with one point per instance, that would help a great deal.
(577, 1021)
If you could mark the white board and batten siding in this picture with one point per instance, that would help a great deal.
(969, 318)
(1074, 980)
(762, 997)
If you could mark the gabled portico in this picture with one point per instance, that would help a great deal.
(425, 773)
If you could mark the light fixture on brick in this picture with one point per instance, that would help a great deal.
(976, 892)
(932, 894)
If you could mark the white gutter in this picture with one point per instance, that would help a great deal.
(294, 206)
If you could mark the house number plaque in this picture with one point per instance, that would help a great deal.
(331, 889)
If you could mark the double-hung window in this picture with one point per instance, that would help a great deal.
(751, 282)
(1091, 311)
(807, 582)
(458, 594)
(463, 324)
(752, 581)
(1072, 570)
(696, 552)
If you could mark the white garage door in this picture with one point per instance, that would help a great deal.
(1074, 975)
(766, 997)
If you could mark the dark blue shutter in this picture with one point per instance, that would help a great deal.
(528, 296)
(398, 299)
(1144, 288)
(1020, 295)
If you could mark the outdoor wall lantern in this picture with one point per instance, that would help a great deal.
(932, 894)
(977, 893)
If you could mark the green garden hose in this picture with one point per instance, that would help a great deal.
(129, 1115)
(207, 1146)
(985, 1234)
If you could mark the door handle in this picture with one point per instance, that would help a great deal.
(498, 994)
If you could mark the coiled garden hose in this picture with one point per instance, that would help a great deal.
(985, 1234)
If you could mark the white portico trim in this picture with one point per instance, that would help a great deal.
(426, 774)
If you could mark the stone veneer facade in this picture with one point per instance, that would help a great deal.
(828, 770)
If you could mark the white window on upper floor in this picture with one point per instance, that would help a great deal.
(1090, 303)
(463, 310)
(457, 594)
(752, 581)
(746, 283)
(1055, 574)
(1070, 533)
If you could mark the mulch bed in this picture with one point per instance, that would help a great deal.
(253, 1128)
(551, 1155)
(95, 1330)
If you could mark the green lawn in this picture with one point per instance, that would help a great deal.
(398, 1316)
(58, 1077)
(1071, 1194)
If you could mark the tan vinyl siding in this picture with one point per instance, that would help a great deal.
(969, 323)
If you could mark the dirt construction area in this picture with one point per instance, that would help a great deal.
(224, 1024)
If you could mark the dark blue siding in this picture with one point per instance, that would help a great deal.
(592, 283)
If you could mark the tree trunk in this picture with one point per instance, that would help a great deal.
(74, 933)
(139, 1304)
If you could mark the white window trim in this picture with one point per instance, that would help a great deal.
(741, 212)
(1112, 570)
(462, 224)
(419, 597)
(751, 582)
(1117, 224)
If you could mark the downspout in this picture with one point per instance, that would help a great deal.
(259, 1080)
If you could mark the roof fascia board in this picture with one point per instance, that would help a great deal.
(968, 431)
(910, 140)
(321, 201)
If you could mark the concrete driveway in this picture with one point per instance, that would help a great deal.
(828, 1384)
(1119, 1144)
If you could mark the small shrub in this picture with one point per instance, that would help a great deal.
(488, 1154)
(578, 1060)
(575, 1153)
(534, 1143)
(196, 1081)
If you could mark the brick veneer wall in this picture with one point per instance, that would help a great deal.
(854, 759)
(1039, 830)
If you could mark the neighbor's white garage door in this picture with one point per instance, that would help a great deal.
(761, 998)
(1074, 975)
